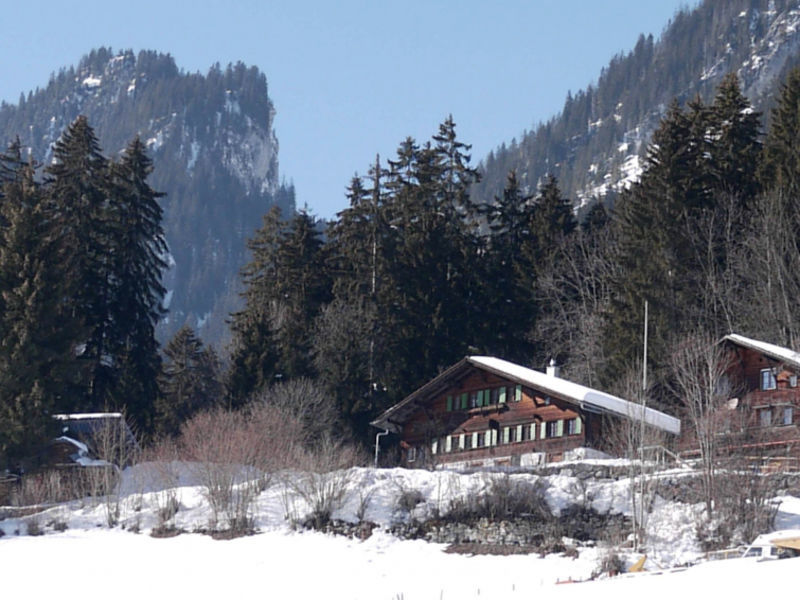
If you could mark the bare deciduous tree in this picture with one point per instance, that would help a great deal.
(699, 368)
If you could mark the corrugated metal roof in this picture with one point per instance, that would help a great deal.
(582, 396)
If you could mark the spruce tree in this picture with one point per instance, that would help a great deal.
(254, 354)
(77, 194)
(189, 381)
(135, 219)
(36, 340)
(781, 168)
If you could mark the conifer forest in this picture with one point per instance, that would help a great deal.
(415, 274)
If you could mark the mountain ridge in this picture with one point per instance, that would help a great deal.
(215, 155)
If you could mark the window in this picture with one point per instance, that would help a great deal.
(765, 417)
(525, 433)
(788, 415)
(474, 399)
(793, 381)
(768, 379)
(574, 427)
(480, 439)
(412, 454)
(495, 395)
(468, 439)
(555, 428)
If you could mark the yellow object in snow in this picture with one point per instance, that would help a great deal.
(638, 566)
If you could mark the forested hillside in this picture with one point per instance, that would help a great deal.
(215, 156)
(596, 145)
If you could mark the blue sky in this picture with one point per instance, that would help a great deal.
(352, 78)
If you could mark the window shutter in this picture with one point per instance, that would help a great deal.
(461, 441)
(448, 443)
(533, 431)
(480, 397)
(494, 437)
(502, 398)
(519, 433)
(475, 439)
(559, 427)
(464, 401)
(578, 425)
(449, 403)
(506, 434)
(434, 447)
(543, 431)
(518, 393)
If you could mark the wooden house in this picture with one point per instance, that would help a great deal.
(762, 411)
(486, 411)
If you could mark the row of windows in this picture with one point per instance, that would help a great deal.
(769, 382)
(507, 435)
(783, 415)
(487, 397)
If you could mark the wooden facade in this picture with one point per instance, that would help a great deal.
(484, 411)
(762, 414)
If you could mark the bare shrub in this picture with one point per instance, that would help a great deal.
(609, 563)
(323, 478)
(503, 499)
(303, 401)
(115, 450)
(364, 500)
(235, 455)
(163, 458)
(33, 527)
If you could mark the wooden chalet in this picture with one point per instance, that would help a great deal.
(485, 411)
(762, 412)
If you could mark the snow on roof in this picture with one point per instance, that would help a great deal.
(777, 352)
(586, 398)
(79, 416)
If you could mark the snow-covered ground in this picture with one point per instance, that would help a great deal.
(88, 559)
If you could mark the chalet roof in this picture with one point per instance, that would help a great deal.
(586, 398)
(779, 353)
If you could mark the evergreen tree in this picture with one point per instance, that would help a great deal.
(302, 288)
(138, 264)
(254, 354)
(36, 341)
(781, 170)
(77, 193)
(735, 149)
(510, 311)
(189, 381)
(285, 288)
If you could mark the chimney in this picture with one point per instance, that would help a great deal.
(552, 369)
